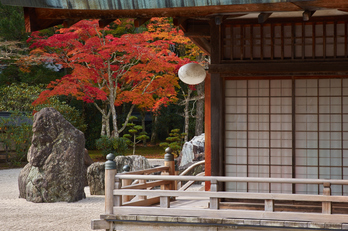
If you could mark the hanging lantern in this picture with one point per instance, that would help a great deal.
(192, 73)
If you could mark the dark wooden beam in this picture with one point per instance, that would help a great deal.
(179, 21)
(104, 22)
(69, 22)
(202, 43)
(33, 23)
(281, 68)
(140, 21)
(307, 15)
(263, 17)
(197, 29)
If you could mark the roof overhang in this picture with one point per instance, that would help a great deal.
(193, 16)
(40, 14)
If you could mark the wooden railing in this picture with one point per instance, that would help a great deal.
(214, 197)
(123, 196)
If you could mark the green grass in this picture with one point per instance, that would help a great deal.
(150, 152)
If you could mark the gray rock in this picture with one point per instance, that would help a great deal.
(192, 150)
(96, 178)
(96, 172)
(56, 170)
(135, 162)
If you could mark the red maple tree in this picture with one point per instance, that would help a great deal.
(108, 71)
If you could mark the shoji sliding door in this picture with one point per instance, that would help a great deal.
(286, 128)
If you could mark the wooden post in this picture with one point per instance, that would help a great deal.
(214, 202)
(126, 198)
(142, 197)
(169, 162)
(269, 205)
(326, 206)
(110, 172)
(164, 202)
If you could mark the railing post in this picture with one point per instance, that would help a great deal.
(169, 162)
(214, 201)
(126, 198)
(326, 206)
(110, 172)
(269, 205)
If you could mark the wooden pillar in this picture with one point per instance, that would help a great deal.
(110, 172)
(217, 105)
(207, 132)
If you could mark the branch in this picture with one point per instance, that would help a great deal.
(126, 122)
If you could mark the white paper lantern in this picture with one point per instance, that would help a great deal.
(192, 73)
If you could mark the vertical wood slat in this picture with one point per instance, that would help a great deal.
(313, 41)
(324, 40)
(335, 39)
(326, 206)
(346, 38)
(261, 41)
(232, 41)
(251, 28)
(303, 41)
(241, 42)
(293, 48)
(282, 41)
(272, 41)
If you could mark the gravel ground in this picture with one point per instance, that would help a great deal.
(18, 214)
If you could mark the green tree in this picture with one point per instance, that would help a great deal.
(15, 134)
(136, 133)
(175, 141)
(12, 24)
(19, 98)
(115, 145)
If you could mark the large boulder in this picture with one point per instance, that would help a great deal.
(96, 172)
(192, 151)
(56, 170)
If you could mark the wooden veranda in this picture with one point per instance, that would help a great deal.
(140, 201)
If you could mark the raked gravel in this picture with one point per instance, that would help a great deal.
(18, 214)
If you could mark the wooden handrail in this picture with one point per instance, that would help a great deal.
(234, 195)
(235, 179)
(146, 171)
(192, 167)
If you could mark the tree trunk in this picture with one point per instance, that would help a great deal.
(154, 129)
(199, 128)
(143, 115)
(187, 114)
(134, 143)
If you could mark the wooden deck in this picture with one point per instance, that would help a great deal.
(139, 201)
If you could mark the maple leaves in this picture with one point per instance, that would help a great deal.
(133, 68)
